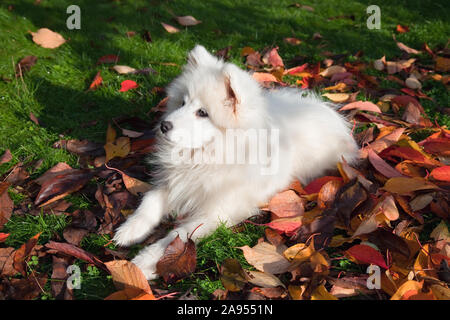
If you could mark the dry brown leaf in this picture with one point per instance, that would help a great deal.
(126, 274)
(266, 257)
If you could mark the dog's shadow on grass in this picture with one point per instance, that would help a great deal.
(85, 114)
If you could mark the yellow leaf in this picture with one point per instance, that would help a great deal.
(337, 97)
(296, 292)
(322, 294)
(121, 148)
(299, 252)
(341, 86)
(410, 285)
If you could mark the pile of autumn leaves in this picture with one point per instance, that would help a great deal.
(371, 215)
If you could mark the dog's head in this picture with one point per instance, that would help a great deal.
(208, 97)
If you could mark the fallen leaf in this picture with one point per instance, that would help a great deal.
(46, 38)
(442, 64)
(441, 173)
(123, 69)
(3, 236)
(328, 72)
(337, 97)
(263, 77)
(267, 258)
(169, 28)
(126, 275)
(61, 185)
(273, 58)
(232, 276)
(286, 204)
(21, 255)
(404, 185)
(109, 58)
(406, 287)
(292, 41)
(128, 85)
(6, 204)
(367, 255)
(361, 105)
(25, 65)
(382, 166)
(407, 49)
(75, 251)
(402, 29)
(96, 82)
(317, 184)
(6, 157)
(178, 261)
(265, 280)
(320, 293)
(186, 21)
(120, 148)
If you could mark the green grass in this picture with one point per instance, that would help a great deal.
(55, 89)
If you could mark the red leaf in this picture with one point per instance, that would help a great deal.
(315, 185)
(128, 85)
(76, 252)
(297, 69)
(3, 236)
(406, 153)
(441, 173)
(367, 255)
(382, 165)
(109, 58)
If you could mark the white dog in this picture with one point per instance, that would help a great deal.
(299, 137)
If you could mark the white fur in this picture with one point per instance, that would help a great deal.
(313, 137)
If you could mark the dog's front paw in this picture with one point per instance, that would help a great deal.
(131, 231)
(147, 263)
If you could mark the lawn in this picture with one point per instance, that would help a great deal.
(55, 89)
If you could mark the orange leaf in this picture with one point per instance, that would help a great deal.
(98, 80)
(126, 275)
(441, 173)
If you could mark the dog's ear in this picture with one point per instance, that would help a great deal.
(233, 77)
(199, 56)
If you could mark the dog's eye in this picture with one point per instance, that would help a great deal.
(201, 113)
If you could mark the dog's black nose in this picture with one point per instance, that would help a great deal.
(166, 126)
